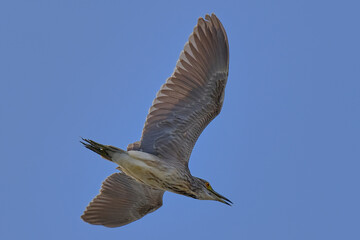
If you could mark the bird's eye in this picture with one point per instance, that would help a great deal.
(207, 185)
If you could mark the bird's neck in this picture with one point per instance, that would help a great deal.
(187, 188)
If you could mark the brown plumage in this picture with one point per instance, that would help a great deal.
(122, 200)
(191, 97)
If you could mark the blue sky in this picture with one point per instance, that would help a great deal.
(285, 149)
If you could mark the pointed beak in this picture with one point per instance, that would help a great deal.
(221, 198)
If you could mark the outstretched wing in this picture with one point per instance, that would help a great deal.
(191, 97)
(122, 200)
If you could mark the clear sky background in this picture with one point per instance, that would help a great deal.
(285, 149)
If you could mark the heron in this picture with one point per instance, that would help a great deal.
(188, 101)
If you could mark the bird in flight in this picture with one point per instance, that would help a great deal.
(190, 98)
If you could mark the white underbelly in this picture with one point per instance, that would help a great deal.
(144, 167)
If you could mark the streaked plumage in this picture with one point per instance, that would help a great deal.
(183, 107)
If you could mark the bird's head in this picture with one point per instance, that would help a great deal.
(206, 192)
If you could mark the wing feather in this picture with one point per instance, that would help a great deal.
(191, 97)
(122, 200)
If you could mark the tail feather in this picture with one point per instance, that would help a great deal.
(104, 151)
